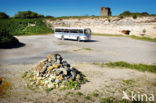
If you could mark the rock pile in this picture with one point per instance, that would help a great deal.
(54, 72)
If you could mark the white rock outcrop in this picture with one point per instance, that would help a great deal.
(112, 25)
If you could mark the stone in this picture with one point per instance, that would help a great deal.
(56, 66)
(58, 71)
(57, 81)
(78, 76)
(38, 82)
(65, 63)
(50, 68)
(58, 61)
(73, 75)
(44, 69)
(51, 85)
(38, 74)
(65, 71)
(57, 85)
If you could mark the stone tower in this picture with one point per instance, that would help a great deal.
(105, 11)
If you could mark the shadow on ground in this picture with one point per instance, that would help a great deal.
(83, 41)
(17, 45)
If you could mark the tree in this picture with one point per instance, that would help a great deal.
(144, 14)
(126, 13)
(28, 15)
(3, 15)
(133, 14)
(48, 16)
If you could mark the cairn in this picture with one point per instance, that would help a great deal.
(54, 72)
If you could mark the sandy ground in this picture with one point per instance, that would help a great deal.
(108, 82)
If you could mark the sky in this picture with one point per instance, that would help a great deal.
(59, 8)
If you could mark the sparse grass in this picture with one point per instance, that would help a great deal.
(143, 38)
(130, 36)
(47, 90)
(128, 82)
(79, 93)
(98, 34)
(68, 93)
(87, 97)
(107, 100)
(87, 49)
(122, 64)
(95, 94)
(72, 84)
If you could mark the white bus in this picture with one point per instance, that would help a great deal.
(78, 34)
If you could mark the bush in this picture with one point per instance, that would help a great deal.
(6, 39)
(134, 17)
(3, 15)
(25, 26)
(133, 14)
(27, 15)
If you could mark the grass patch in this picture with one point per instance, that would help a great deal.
(130, 36)
(128, 82)
(97, 34)
(68, 93)
(87, 97)
(79, 93)
(107, 100)
(122, 64)
(87, 49)
(95, 94)
(143, 38)
(71, 85)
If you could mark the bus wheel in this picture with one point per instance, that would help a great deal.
(62, 37)
(78, 39)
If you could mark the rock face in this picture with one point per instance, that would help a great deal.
(111, 25)
(54, 72)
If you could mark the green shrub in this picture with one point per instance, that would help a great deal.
(79, 93)
(72, 84)
(134, 17)
(135, 14)
(24, 26)
(27, 15)
(87, 97)
(6, 39)
(3, 15)
(95, 94)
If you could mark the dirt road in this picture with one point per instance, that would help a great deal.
(100, 49)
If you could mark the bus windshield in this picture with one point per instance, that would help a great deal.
(87, 31)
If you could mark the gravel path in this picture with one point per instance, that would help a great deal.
(100, 49)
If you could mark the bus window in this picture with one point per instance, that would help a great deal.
(66, 30)
(81, 31)
(73, 31)
(58, 30)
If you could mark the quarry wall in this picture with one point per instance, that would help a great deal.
(141, 26)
